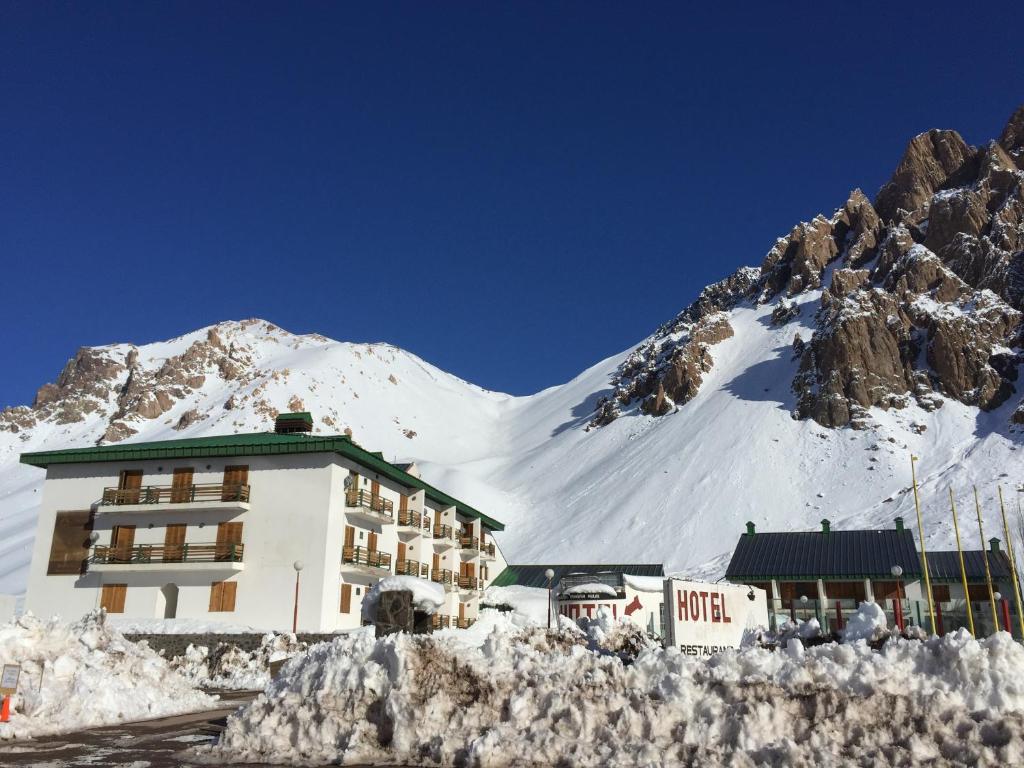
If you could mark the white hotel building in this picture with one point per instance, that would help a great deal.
(210, 528)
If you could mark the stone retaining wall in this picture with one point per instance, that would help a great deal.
(175, 645)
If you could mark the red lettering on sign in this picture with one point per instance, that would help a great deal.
(704, 605)
(681, 605)
(694, 606)
(634, 606)
(725, 618)
(716, 615)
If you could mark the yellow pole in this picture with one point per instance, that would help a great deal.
(924, 553)
(984, 557)
(1013, 564)
(963, 571)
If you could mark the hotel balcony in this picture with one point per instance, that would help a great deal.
(437, 621)
(412, 568)
(173, 557)
(444, 536)
(464, 623)
(216, 497)
(366, 561)
(469, 544)
(487, 551)
(367, 506)
(444, 578)
(471, 583)
(409, 521)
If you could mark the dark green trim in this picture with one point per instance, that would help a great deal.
(260, 444)
(746, 578)
(303, 416)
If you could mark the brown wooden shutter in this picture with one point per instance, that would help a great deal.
(437, 517)
(227, 535)
(112, 597)
(123, 540)
(403, 503)
(371, 542)
(181, 485)
(462, 611)
(174, 540)
(346, 598)
(401, 552)
(437, 561)
(129, 483)
(375, 488)
(350, 536)
(222, 596)
(234, 476)
(69, 547)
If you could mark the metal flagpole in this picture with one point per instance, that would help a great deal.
(924, 553)
(963, 571)
(984, 557)
(1013, 564)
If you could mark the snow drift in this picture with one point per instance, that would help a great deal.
(536, 698)
(86, 674)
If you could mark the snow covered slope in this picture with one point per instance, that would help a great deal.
(785, 394)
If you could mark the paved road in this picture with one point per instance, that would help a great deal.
(151, 744)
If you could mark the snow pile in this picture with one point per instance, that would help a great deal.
(536, 698)
(427, 596)
(228, 667)
(591, 588)
(868, 623)
(86, 674)
(644, 583)
(135, 626)
(529, 604)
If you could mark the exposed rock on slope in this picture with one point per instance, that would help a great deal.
(920, 294)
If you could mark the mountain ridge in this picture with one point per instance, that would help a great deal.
(782, 394)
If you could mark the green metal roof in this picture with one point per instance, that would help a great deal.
(532, 575)
(304, 416)
(258, 444)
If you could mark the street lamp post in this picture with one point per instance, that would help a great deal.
(897, 572)
(549, 574)
(298, 565)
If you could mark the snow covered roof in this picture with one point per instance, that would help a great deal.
(252, 444)
(533, 575)
(824, 555)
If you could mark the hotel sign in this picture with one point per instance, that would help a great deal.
(702, 619)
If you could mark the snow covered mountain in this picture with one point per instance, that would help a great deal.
(785, 394)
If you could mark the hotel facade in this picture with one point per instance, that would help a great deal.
(212, 529)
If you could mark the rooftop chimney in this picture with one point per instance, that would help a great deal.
(288, 423)
(899, 523)
(750, 528)
(826, 526)
(994, 544)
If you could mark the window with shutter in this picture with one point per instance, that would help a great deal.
(112, 597)
(174, 543)
(69, 548)
(346, 598)
(228, 535)
(234, 477)
(181, 485)
(222, 596)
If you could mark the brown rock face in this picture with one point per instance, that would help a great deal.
(861, 355)
(680, 380)
(930, 161)
(1012, 137)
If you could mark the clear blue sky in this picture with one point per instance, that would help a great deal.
(511, 191)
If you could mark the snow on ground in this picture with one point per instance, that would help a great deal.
(537, 698)
(427, 596)
(591, 587)
(529, 604)
(85, 674)
(227, 667)
(644, 583)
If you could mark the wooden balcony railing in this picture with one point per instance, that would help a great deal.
(437, 621)
(370, 501)
(364, 556)
(464, 623)
(443, 532)
(173, 553)
(411, 568)
(487, 549)
(470, 582)
(182, 494)
(469, 542)
(411, 519)
(428, 527)
(442, 576)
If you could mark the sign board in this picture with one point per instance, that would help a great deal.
(702, 619)
(9, 679)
